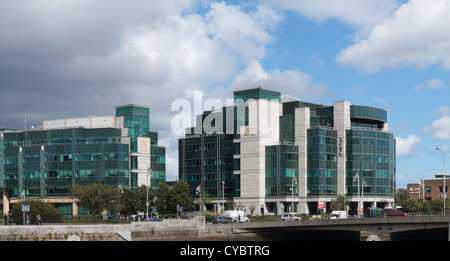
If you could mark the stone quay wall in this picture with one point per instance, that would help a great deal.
(176, 229)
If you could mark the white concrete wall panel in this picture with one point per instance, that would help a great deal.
(85, 122)
(54, 124)
(302, 124)
(342, 123)
(262, 130)
(103, 122)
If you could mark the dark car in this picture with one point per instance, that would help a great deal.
(396, 213)
(221, 220)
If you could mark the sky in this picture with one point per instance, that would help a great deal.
(77, 58)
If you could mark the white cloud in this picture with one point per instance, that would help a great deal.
(244, 34)
(357, 90)
(407, 146)
(362, 14)
(380, 100)
(416, 35)
(79, 57)
(294, 83)
(440, 128)
(435, 84)
(443, 111)
(162, 61)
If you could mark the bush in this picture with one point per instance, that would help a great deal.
(48, 213)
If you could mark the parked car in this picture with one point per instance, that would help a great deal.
(221, 220)
(289, 217)
(396, 213)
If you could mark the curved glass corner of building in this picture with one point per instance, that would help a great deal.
(371, 155)
(368, 117)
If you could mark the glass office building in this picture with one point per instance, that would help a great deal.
(44, 162)
(283, 154)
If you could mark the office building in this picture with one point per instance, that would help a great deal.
(272, 153)
(430, 189)
(44, 162)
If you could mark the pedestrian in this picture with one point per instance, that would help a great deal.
(38, 219)
(28, 219)
(9, 218)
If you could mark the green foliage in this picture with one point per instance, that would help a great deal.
(168, 198)
(98, 197)
(95, 197)
(421, 206)
(180, 196)
(48, 213)
(340, 203)
(134, 201)
(416, 205)
(401, 196)
(162, 201)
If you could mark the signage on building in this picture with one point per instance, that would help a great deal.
(341, 147)
(143, 145)
(249, 131)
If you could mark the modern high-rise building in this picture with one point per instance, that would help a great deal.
(270, 153)
(44, 162)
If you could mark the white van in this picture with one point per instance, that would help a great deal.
(237, 216)
(341, 214)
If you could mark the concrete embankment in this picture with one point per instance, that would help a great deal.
(180, 230)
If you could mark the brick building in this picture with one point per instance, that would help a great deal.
(429, 188)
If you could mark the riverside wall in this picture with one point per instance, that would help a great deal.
(166, 230)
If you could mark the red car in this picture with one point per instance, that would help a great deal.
(396, 213)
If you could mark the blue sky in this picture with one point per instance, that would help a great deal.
(81, 57)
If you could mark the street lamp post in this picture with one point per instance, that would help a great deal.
(437, 148)
(364, 185)
(223, 199)
(356, 176)
(445, 194)
(294, 181)
(149, 177)
(199, 192)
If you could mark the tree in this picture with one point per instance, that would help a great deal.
(94, 197)
(437, 205)
(417, 205)
(47, 211)
(168, 198)
(401, 196)
(180, 196)
(340, 203)
(134, 201)
(162, 196)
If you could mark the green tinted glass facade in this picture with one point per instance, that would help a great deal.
(281, 170)
(207, 161)
(46, 163)
(322, 162)
(257, 93)
(287, 128)
(136, 119)
(323, 151)
(372, 154)
(366, 112)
